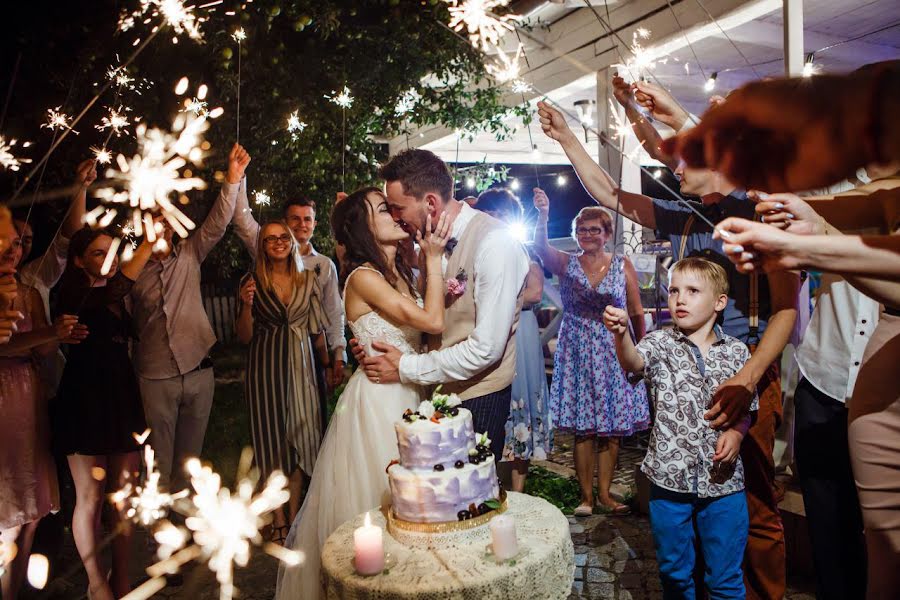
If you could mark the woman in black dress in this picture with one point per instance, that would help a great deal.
(99, 402)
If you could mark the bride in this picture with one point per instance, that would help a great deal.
(381, 304)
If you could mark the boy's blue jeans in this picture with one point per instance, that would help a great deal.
(719, 524)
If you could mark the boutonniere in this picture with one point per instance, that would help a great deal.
(451, 244)
(318, 270)
(456, 286)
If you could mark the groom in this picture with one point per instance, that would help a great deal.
(485, 269)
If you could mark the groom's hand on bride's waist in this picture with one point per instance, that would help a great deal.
(384, 368)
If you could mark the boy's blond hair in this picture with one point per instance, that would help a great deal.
(714, 274)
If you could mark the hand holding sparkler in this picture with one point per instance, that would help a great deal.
(660, 104)
(542, 203)
(8, 320)
(622, 90)
(238, 159)
(248, 291)
(86, 173)
(554, 124)
(68, 330)
(9, 288)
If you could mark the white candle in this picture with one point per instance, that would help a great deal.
(503, 537)
(368, 548)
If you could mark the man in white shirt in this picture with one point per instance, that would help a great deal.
(485, 269)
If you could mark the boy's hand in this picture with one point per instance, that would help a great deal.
(728, 447)
(615, 319)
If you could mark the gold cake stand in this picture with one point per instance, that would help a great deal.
(395, 523)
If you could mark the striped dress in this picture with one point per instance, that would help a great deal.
(280, 387)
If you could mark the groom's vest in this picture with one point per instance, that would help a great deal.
(459, 316)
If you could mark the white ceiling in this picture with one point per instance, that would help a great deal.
(758, 42)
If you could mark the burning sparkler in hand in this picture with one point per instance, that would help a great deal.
(7, 159)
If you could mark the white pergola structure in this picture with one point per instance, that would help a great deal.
(571, 56)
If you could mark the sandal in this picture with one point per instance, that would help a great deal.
(583, 510)
(618, 510)
(279, 534)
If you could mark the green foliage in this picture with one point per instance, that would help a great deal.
(562, 492)
(296, 51)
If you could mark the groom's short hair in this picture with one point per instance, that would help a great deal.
(419, 172)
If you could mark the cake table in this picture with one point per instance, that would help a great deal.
(455, 565)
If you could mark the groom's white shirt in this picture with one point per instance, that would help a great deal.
(501, 264)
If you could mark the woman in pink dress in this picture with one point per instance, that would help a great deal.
(28, 488)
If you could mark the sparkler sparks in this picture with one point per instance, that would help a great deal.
(101, 155)
(179, 17)
(7, 159)
(197, 106)
(58, 120)
(262, 198)
(294, 124)
(342, 99)
(619, 128)
(240, 35)
(407, 102)
(520, 86)
(146, 504)
(508, 67)
(226, 525)
(146, 181)
(483, 27)
(116, 121)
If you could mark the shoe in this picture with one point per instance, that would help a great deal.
(583, 511)
(279, 534)
(618, 510)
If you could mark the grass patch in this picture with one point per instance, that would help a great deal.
(228, 430)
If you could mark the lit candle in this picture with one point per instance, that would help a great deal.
(368, 548)
(503, 537)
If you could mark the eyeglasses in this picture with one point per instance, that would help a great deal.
(271, 240)
(589, 230)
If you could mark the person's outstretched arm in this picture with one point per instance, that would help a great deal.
(616, 320)
(596, 181)
(245, 224)
(555, 260)
(658, 102)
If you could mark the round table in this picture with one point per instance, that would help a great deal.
(460, 569)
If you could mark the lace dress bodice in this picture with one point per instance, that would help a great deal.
(372, 327)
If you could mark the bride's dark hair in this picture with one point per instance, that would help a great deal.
(350, 224)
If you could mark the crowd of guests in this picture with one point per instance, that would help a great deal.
(138, 343)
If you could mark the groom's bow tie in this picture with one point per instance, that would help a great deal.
(451, 244)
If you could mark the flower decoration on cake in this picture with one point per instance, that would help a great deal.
(482, 439)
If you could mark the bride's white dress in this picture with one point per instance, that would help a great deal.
(350, 477)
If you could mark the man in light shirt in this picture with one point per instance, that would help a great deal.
(171, 356)
(485, 268)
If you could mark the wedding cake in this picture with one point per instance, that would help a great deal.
(445, 473)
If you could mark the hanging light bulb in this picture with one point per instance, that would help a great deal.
(514, 184)
(560, 180)
(657, 174)
(711, 82)
(470, 182)
(535, 153)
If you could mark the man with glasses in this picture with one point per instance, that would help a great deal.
(300, 215)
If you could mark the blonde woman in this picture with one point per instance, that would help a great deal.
(280, 309)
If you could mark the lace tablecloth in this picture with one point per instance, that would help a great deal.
(543, 570)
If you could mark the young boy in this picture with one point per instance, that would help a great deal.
(697, 481)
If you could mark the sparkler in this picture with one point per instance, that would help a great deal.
(101, 155)
(483, 27)
(508, 68)
(520, 86)
(196, 106)
(7, 159)
(619, 128)
(295, 125)
(174, 13)
(262, 198)
(240, 35)
(343, 98)
(407, 102)
(146, 504)
(58, 120)
(116, 121)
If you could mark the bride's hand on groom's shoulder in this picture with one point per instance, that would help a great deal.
(435, 241)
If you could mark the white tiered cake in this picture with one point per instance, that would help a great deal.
(444, 473)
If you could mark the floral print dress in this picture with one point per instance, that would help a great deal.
(590, 394)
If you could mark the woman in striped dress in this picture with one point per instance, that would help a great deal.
(280, 308)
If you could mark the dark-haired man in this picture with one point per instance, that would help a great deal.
(477, 353)
(300, 215)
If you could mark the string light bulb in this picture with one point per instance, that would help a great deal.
(470, 182)
(514, 184)
(711, 82)
(560, 180)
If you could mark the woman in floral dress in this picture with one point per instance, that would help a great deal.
(590, 395)
(528, 426)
